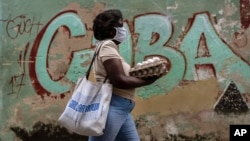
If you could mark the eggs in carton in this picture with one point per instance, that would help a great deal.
(151, 67)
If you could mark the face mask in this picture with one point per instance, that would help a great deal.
(121, 34)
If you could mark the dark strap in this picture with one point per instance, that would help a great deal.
(92, 61)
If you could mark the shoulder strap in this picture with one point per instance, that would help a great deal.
(92, 61)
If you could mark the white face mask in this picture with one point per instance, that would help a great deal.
(121, 34)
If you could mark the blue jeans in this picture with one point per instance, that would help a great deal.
(120, 125)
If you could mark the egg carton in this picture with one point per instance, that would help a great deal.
(149, 68)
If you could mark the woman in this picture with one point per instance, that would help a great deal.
(109, 31)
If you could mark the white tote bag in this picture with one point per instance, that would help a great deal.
(86, 111)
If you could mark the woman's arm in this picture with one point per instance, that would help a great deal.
(119, 79)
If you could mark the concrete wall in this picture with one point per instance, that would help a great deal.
(46, 45)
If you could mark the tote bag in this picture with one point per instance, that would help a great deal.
(86, 111)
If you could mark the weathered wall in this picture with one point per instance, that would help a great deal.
(46, 45)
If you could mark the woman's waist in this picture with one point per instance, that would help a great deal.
(125, 93)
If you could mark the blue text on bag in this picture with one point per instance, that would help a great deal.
(83, 108)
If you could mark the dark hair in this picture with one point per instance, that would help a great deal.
(105, 22)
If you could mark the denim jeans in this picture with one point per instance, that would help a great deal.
(120, 125)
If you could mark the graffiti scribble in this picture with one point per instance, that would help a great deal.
(17, 81)
(20, 25)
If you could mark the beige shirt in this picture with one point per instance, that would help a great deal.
(109, 50)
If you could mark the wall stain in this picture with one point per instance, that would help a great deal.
(200, 126)
(50, 132)
(47, 131)
(157, 133)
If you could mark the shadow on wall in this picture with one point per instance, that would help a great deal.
(47, 132)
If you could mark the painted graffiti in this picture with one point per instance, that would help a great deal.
(225, 64)
(20, 25)
(201, 53)
(145, 25)
(38, 70)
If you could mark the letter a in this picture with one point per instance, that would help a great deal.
(237, 133)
